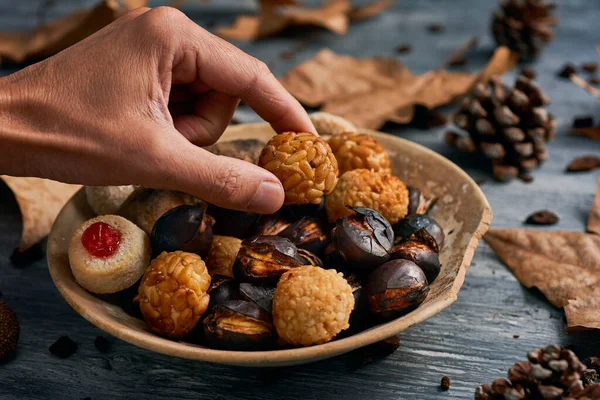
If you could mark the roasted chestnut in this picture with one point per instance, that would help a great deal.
(333, 258)
(309, 258)
(408, 227)
(358, 317)
(186, 228)
(234, 223)
(308, 233)
(297, 211)
(417, 202)
(223, 289)
(273, 224)
(421, 254)
(238, 325)
(265, 259)
(261, 295)
(395, 288)
(364, 239)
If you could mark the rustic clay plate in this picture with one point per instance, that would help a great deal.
(462, 210)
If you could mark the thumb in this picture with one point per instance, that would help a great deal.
(223, 181)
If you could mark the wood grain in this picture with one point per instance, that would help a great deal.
(471, 342)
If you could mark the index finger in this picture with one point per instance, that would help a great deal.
(227, 69)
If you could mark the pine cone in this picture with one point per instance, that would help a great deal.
(524, 26)
(510, 126)
(551, 373)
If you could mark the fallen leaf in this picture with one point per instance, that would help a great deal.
(579, 81)
(591, 132)
(48, 39)
(361, 13)
(593, 223)
(371, 91)
(40, 201)
(584, 163)
(276, 15)
(563, 265)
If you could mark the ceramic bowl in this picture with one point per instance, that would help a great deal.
(461, 209)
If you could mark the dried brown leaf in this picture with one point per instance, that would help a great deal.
(563, 265)
(371, 91)
(276, 15)
(593, 223)
(591, 132)
(585, 85)
(40, 200)
(371, 9)
(48, 39)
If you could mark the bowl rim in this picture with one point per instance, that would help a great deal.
(273, 358)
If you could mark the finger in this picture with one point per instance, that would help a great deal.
(229, 70)
(211, 115)
(223, 181)
(131, 15)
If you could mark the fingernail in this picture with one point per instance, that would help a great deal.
(267, 197)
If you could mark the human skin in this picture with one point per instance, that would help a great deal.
(133, 103)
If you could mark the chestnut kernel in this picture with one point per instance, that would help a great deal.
(364, 239)
(396, 288)
(421, 254)
(408, 227)
(265, 259)
(187, 228)
(238, 325)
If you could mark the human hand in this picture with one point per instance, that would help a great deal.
(132, 103)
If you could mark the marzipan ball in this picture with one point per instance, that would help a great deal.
(303, 163)
(358, 150)
(9, 330)
(222, 254)
(311, 305)
(173, 293)
(107, 199)
(382, 192)
(108, 254)
(329, 124)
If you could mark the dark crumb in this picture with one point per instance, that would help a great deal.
(516, 336)
(458, 62)
(567, 71)
(480, 181)
(64, 347)
(594, 81)
(589, 376)
(584, 163)
(373, 352)
(451, 232)
(526, 178)
(404, 48)
(445, 384)
(528, 72)
(436, 28)
(33, 254)
(542, 217)
(583, 121)
(102, 344)
(590, 67)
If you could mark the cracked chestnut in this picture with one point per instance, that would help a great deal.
(421, 254)
(364, 239)
(308, 233)
(238, 325)
(260, 295)
(410, 227)
(265, 258)
(309, 258)
(187, 228)
(272, 224)
(395, 288)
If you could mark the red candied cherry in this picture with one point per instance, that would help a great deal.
(101, 240)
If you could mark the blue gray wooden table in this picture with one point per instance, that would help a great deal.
(472, 342)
